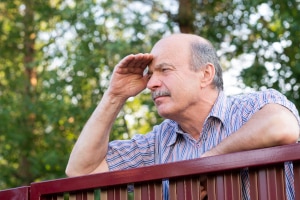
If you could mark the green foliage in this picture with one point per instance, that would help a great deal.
(57, 56)
(55, 64)
(274, 39)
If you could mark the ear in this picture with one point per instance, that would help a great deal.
(208, 74)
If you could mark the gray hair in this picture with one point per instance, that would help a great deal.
(202, 53)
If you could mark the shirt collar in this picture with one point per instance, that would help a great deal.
(175, 133)
(220, 107)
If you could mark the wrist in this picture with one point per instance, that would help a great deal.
(113, 98)
(212, 152)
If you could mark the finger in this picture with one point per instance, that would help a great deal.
(135, 60)
(135, 63)
(141, 61)
(203, 192)
(125, 61)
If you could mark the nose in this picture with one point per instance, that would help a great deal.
(153, 82)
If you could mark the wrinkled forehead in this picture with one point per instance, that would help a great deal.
(171, 50)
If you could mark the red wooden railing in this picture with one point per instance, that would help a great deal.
(221, 174)
(20, 193)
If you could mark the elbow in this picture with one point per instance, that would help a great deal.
(100, 168)
(288, 137)
(286, 128)
(69, 171)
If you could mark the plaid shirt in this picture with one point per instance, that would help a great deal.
(168, 143)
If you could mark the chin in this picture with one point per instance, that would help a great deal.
(166, 111)
(165, 114)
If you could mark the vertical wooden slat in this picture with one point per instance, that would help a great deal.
(103, 194)
(151, 190)
(187, 188)
(158, 190)
(144, 191)
(114, 193)
(191, 188)
(90, 195)
(267, 183)
(236, 182)
(137, 192)
(172, 190)
(262, 184)
(117, 195)
(123, 193)
(279, 175)
(271, 184)
(280, 178)
(180, 189)
(155, 190)
(232, 186)
(296, 166)
(228, 187)
(84, 195)
(79, 195)
(211, 188)
(220, 187)
(72, 196)
(110, 194)
(253, 178)
(195, 188)
(60, 197)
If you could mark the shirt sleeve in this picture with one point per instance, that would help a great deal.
(258, 100)
(136, 152)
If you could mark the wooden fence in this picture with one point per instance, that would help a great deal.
(219, 174)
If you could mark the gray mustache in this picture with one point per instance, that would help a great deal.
(156, 94)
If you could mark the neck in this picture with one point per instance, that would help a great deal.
(193, 119)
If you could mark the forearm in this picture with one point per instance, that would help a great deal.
(273, 125)
(88, 154)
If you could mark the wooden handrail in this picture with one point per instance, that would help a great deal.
(213, 164)
(19, 193)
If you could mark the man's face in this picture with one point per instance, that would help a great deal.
(175, 88)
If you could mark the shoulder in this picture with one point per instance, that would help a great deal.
(249, 103)
(259, 97)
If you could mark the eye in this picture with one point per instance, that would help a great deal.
(164, 69)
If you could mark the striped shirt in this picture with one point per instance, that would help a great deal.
(167, 142)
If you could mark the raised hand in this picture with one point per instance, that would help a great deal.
(128, 79)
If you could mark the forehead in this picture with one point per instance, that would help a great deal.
(174, 51)
(176, 43)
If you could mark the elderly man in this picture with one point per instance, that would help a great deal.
(185, 80)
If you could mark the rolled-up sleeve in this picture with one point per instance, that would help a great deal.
(259, 99)
(126, 154)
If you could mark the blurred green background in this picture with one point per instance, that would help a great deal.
(56, 58)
